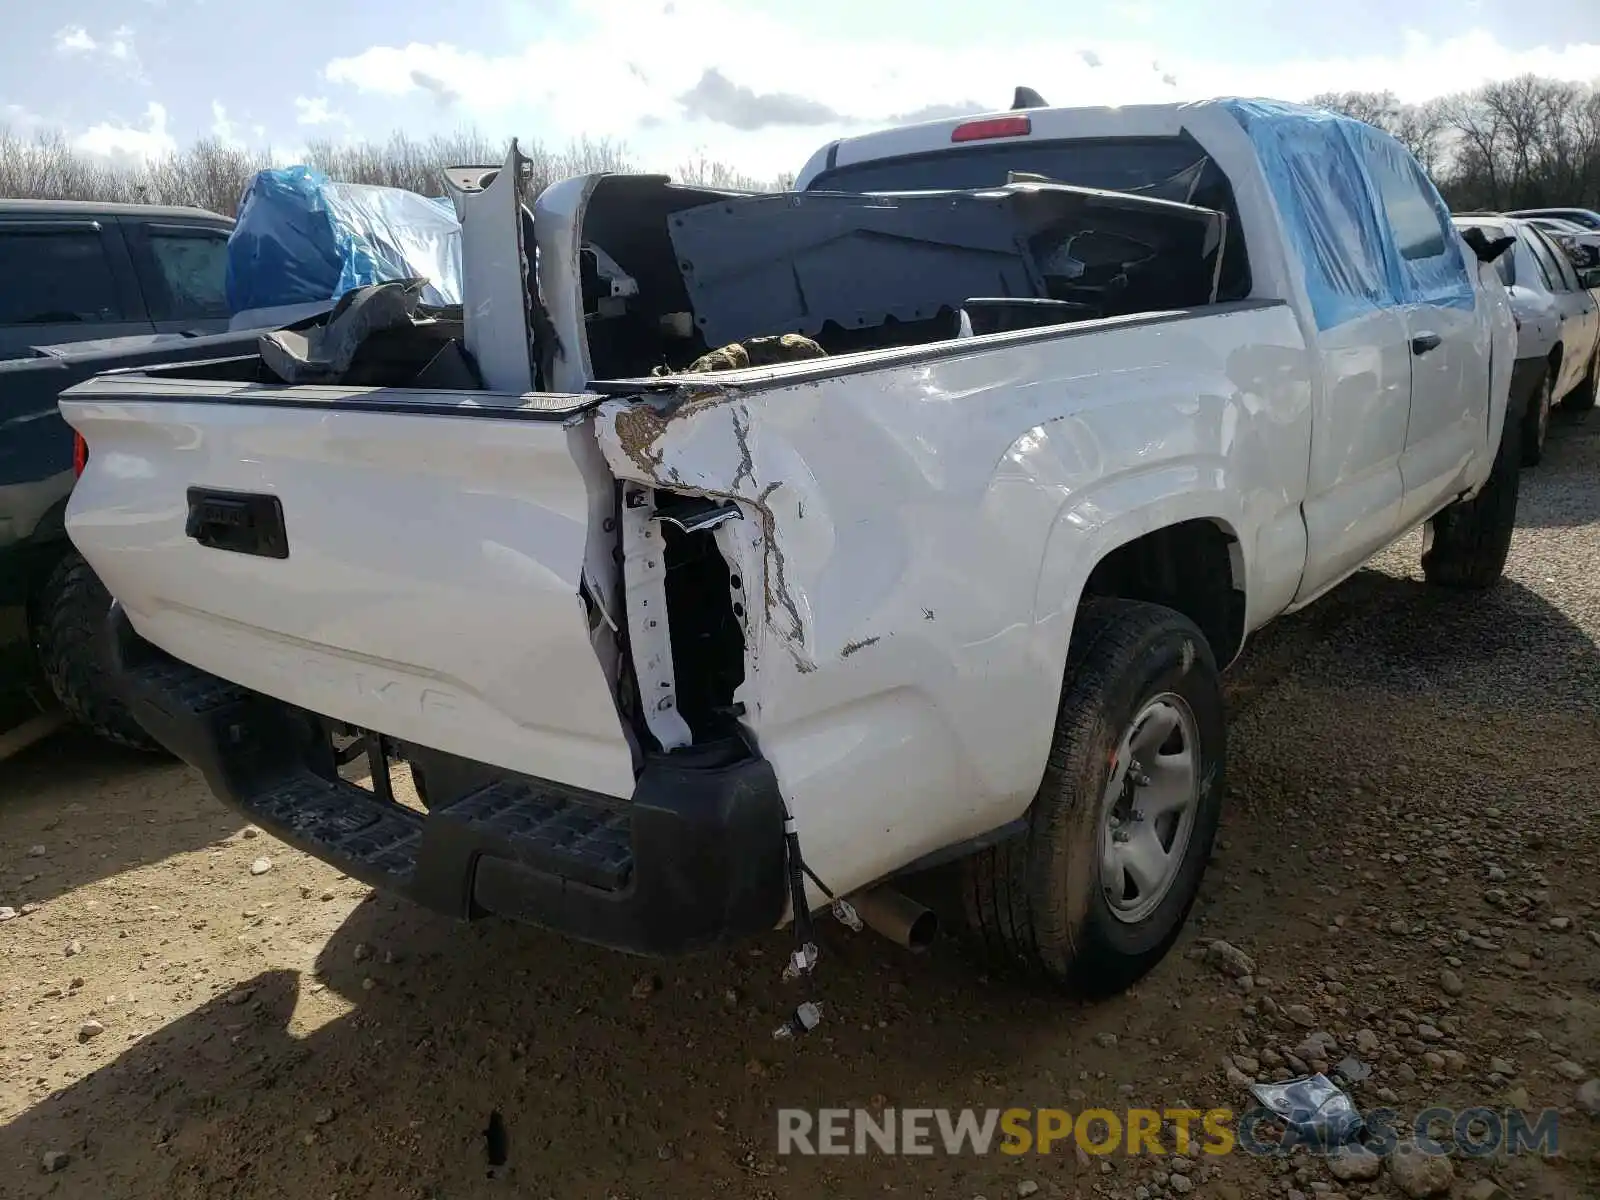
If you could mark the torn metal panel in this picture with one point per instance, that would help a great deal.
(644, 577)
(495, 273)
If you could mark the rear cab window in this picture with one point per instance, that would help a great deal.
(1168, 168)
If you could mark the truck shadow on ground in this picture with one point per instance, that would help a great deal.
(609, 1074)
(42, 801)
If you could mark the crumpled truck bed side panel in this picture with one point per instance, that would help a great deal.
(919, 526)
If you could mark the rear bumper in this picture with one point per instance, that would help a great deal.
(696, 856)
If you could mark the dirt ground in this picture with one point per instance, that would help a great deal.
(1408, 855)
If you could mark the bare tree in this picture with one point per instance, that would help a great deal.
(1379, 109)
(212, 174)
(1526, 142)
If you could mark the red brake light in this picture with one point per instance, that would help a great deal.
(80, 454)
(992, 127)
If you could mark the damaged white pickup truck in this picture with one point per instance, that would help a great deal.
(1082, 398)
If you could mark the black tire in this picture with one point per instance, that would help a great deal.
(1037, 902)
(1465, 545)
(69, 621)
(1536, 421)
(1583, 397)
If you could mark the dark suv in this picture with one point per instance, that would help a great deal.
(102, 286)
(72, 271)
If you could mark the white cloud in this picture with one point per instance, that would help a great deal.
(766, 106)
(222, 128)
(314, 110)
(117, 46)
(74, 39)
(121, 44)
(130, 142)
(15, 116)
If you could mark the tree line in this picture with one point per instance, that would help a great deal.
(213, 174)
(1529, 142)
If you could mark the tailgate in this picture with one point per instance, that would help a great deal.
(373, 556)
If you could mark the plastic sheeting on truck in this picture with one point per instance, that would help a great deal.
(302, 238)
(1371, 229)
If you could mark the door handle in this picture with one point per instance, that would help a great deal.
(1424, 342)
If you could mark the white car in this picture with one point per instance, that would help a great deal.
(1585, 217)
(678, 656)
(1582, 245)
(1558, 327)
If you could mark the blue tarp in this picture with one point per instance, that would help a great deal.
(300, 238)
(1371, 230)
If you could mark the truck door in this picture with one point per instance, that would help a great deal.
(1447, 340)
(1354, 489)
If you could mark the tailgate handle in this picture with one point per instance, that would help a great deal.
(240, 522)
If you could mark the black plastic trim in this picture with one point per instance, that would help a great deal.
(695, 857)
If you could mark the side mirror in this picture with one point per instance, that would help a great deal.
(1590, 278)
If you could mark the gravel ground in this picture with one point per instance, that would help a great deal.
(189, 1009)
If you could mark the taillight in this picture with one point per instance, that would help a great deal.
(80, 454)
(992, 127)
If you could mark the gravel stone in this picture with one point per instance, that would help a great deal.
(1354, 1164)
(1588, 1098)
(1230, 960)
(1420, 1175)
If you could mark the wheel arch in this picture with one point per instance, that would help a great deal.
(1186, 554)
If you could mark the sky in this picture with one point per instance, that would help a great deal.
(758, 84)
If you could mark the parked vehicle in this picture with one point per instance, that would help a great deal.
(1558, 327)
(675, 656)
(52, 605)
(1586, 217)
(73, 271)
(1581, 246)
(101, 276)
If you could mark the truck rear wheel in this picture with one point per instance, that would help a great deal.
(70, 617)
(1096, 892)
(1465, 545)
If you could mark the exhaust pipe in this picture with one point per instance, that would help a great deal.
(897, 917)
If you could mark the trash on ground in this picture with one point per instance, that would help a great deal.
(1313, 1108)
